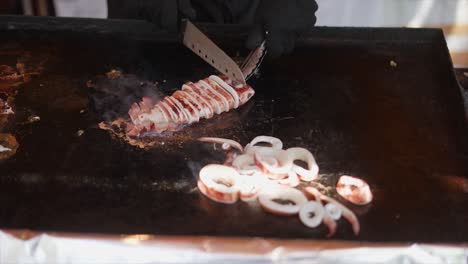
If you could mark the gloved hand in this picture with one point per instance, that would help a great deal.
(225, 11)
(162, 13)
(285, 21)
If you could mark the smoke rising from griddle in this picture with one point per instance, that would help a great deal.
(194, 167)
(112, 95)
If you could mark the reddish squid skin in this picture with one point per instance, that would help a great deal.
(354, 190)
(194, 102)
(346, 213)
(217, 196)
(327, 219)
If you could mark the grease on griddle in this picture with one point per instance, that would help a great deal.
(113, 74)
(79, 133)
(8, 72)
(5, 108)
(11, 77)
(8, 146)
(34, 118)
(20, 73)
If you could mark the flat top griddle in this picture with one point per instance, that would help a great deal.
(400, 127)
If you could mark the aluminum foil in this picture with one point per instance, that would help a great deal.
(22, 246)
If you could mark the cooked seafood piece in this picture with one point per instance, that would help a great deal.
(333, 210)
(195, 101)
(345, 212)
(312, 214)
(354, 190)
(282, 200)
(219, 183)
(5, 108)
(226, 144)
(275, 144)
(276, 164)
(8, 146)
(328, 221)
(306, 174)
(250, 186)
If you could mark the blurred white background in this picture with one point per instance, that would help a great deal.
(450, 15)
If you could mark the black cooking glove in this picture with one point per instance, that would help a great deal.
(162, 13)
(285, 21)
(224, 11)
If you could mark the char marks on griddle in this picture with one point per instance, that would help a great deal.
(20, 69)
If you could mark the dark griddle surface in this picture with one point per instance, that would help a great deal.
(400, 128)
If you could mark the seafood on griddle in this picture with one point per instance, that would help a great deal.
(354, 190)
(9, 77)
(5, 108)
(195, 101)
(8, 146)
(12, 77)
(8, 73)
(21, 72)
(268, 174)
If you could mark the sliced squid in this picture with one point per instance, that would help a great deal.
(226, 143)
(219, 183)
(245, 164)
(333, 210)
(268, 174)
(190, 110)
(228, 88)
(250, 186)
(291, 180)
(276, 144)
(219, 97)
(276, 164)
(354, 190)
(195, 101)
(182, 116)
(312, 214)
(206, 110)
(304, 155)
(327, 219)
(221, 91)
(346, 213)
(199, 110)
(282, 200)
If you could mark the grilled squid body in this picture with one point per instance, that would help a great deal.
(195, 101)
